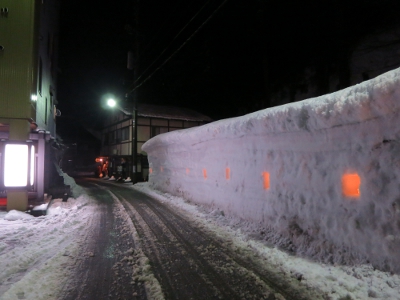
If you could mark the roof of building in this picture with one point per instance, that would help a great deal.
(169, 112)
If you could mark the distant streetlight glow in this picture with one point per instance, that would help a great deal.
(111, 102)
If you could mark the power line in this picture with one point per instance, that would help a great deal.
(176, 36)
(159, 30)
(176, 51)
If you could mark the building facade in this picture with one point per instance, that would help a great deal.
(28, 65)
(122, 141)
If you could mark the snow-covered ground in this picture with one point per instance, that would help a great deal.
(35, 252)
(38, 254)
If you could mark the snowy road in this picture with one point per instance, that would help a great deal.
(187, 261)
(104, 272)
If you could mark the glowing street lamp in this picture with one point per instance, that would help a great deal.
(114, 104)
(111, 102)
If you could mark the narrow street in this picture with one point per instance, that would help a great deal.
(187, 261)
(103, 272)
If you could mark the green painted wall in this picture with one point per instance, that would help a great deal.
(18, 60)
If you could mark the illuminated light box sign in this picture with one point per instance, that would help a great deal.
(17, 165)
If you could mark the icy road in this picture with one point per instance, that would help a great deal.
(188, 262)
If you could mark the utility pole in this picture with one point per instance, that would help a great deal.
(132, 95)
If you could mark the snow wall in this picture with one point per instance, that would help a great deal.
(321, 175)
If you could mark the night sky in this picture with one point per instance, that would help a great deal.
(229, 63)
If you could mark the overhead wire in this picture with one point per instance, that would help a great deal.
(176, 36)
(158, 31)
(180, 47)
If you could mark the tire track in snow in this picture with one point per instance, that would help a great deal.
(181, 254)
(171, 267)
(102, 271)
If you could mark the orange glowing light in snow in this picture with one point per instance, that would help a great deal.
(187, 171)
(266, 180)
(228, 173)
(205, 173)
(351, 185)
(150, 170)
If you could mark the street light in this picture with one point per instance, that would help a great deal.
(113, 103)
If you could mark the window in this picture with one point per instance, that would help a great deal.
(125, 134)
(143, 133)
(155, 130)
(118, 136)
(122, 134)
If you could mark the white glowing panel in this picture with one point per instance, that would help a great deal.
(111, 102)
(16, 165)
(32, 177)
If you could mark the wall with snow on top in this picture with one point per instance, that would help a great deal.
(323, 173)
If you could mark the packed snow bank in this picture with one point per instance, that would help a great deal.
(320, 175)
(38, 255)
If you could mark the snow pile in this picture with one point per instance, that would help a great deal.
(334, 281)
(37, 254)
(319, 176)
(14, 215)
(76, 190)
